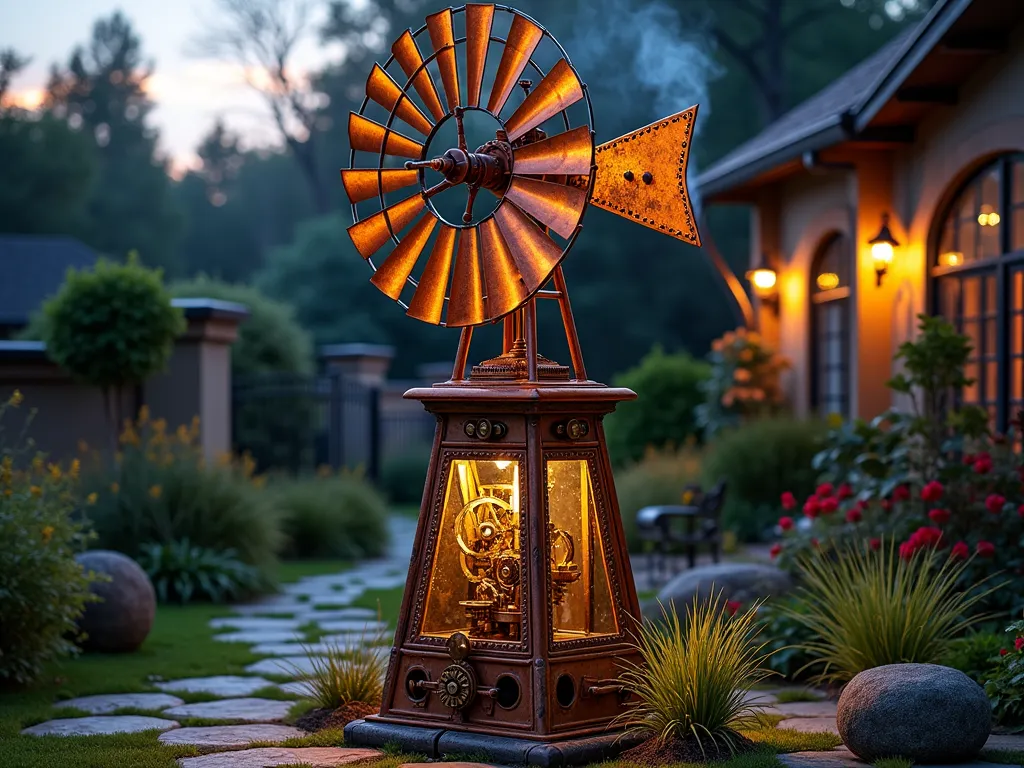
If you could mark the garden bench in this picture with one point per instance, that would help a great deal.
(690, 526)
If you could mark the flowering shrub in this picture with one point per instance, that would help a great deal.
(43, 590)
(161, 489)
(1005, 689)
(744, 381)
(934, 477)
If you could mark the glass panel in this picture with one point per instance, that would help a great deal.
(1018, 229)
(580, 594)
(1018, 290)
(1015, 336)
(967, 207)
(991, 381)
(966, 239)
(971, 390)
(475, 580)
(949, 298)
(990, 336)
(972, 298)
(1018, 181)
(1018, 379)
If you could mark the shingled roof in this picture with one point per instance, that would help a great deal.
(34, 268)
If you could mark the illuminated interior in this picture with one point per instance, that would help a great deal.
(582, 605)
(475, 584)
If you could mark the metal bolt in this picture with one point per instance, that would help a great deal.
(628, 175)
(647, 177)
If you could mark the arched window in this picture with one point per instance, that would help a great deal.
(830, 326)
(978, 271)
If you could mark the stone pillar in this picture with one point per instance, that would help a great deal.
(366, 363)
(197, 381)
(432, 373)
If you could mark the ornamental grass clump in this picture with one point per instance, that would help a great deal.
(693, 681)
(341, 677)
(870, 607)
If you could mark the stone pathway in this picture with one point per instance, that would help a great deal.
(312, 615)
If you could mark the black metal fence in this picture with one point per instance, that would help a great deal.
(298, 423)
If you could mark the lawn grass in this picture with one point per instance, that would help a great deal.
(1006, 756)
(793, 695)
(893, 762)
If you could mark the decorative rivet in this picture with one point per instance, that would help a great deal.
(628, 175)
(647, 177)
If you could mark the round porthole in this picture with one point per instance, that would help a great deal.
(508, 692)
(565, 690)
(415, 676)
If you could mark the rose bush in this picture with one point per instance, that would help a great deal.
(933, 475)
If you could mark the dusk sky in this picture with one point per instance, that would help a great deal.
(189, 93)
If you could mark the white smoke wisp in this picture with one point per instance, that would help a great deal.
(623, 46)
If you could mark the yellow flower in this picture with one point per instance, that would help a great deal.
(115, 487)
(16, 399)
(47, 534)
(36, 491)
(76, 468)
(687, 497)
(37, 465)
(129, 436)
(91, 498)
(193, 429)
(143, 415)
(55, 472)
(155, 491)
(160, 426)
(183, 435)
(835, 420)
(248, 465)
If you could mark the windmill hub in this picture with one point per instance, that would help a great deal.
(490, 167)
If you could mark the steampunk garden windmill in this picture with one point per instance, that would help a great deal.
(519, 603)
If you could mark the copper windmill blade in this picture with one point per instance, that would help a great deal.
(535, 253)
(553, 205)
(428, 301)
(365, 135)
(642, 176)
(391, 276)
(505, 286)
(522, 41)
(408, 56)
(439, 25)
(362, 183)
(479, 20)
(382, 88)
(559, 90)
(564, 154)
(370, 234)
(466, 301)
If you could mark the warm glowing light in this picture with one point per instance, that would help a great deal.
(763, 279)
(951, 259)
(881, 254)
(826, 281)
(988, 216)
(502, 464)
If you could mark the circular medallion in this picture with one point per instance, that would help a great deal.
(457, 687)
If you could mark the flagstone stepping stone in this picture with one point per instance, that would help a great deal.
(258, 623)
(844, 758)
(298, 687)
(353, 625)
(212, 736)
(260, 636)
(253, 710)
(275, 604)
(335, 600)
(96, 725)
(292, 666)
(267, 757)
(1006, 741)
(759, 698)
(219, 685)
(105, 703)
(810, 725)
(289, 649)
(807, 709)
(334, 614)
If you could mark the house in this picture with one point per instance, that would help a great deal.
(897, 190)
(33, 268)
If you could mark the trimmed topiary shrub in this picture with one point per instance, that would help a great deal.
(669, 390)
(760, 461)
(339, 516)
(660, 477)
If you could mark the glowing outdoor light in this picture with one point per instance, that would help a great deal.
(951, 259)
(826, 281)
(988, 216)
(882, 246)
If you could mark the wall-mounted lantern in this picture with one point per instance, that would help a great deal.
(764, 281)
(882, 246)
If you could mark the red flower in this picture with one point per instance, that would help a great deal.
(985, 549)
(886, 504)
(786, 523)
(788, 500)
(844, 492)
(854, 515)
(812, 507)
(875, 544)
(901, 493)
(983, 464)
(960, 551)
(776, 550)
(815, 543)
(731, 606)
(994, 503)
(907, 550)
(932, 491)
(968, 459)
(828, 506)
(939, 516)
(1018, 644)
(825, 489)
(1003, 651)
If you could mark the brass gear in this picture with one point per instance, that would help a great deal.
(457, 686)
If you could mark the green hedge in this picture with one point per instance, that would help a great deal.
(659, 478)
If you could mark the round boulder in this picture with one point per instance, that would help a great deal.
(742, 582)
(122, 618)
(924, 712)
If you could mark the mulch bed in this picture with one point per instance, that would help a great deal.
(322, 719)
(649, 753)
